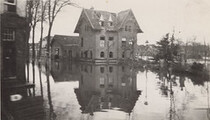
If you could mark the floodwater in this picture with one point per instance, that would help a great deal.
(81, 91)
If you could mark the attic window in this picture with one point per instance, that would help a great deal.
(101, 23)
(101, 20)
(10, 5)
(110, 23)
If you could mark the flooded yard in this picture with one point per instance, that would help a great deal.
(79, 91)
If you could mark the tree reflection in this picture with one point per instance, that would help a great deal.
(52, 114)
(40, 79)
(168, 81)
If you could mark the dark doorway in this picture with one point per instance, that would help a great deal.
(70, 54)
(9, 59)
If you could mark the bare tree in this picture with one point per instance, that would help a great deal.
(54, 7)
(42, 19)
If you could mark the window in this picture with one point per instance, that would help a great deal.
(57, 51)
(101, 23)
(111, 54)
(86, 68)
(81, 54)
(123, 42)
(110, 23)
(65, 52)
(102, 54)
(129, 29)
(86, 54)
(91, 54)
(8, 34)
(110, 81)
(102, 81)
(102, 41)
(70, 53)
(81, 79)
(110, 69)
(82, 42)
(102, 69)
(123, 54)
(123, 68)
(102, 38)
(10, 5)
(57, 65)
(111, 38)
(126, 28)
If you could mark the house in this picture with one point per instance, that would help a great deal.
(13, 40)
(107, 37)
(65, 47)
(44, 46)
(14, 88)
(103, 87)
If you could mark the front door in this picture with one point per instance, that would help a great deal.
(9, 60)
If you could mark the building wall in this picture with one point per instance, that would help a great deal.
(18, 24)
(112, 47)
(129, 35)
(64, 51)
(20, 7)
(88, 36)
(74, 49)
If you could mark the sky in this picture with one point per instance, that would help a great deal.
(187, 18)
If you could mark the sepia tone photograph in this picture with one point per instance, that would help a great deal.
(105, 59)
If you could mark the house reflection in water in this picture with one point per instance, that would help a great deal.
(65, 71)
(106, 87)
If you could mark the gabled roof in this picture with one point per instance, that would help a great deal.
(65, 40)
(93, 17)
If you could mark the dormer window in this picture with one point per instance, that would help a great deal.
(101, 23)
(10, 5)
(101, 20)
(110, 21)
(110, 24)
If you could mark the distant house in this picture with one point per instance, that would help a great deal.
(65, 47)
(44, 46)
(106, 36)
(36, 49)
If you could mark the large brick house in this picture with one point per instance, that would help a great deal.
(13, 40)
(12, 65)
(107, 37)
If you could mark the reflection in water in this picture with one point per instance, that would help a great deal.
(52, 115)
(146, 102)
(80, 91)
(106, 87)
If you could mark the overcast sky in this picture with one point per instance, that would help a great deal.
(189, 18)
